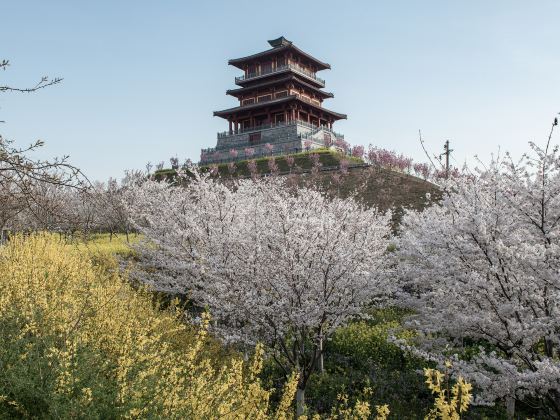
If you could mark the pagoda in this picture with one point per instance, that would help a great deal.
(280, 107)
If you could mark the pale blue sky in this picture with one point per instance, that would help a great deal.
(141, 78)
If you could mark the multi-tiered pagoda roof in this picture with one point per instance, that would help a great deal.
(280, 105)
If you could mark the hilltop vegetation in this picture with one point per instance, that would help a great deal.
(286, 164)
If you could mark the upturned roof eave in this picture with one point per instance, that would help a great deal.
(233, 92)
(238, 62)
(224, 113)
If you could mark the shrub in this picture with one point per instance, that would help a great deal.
(78, 341)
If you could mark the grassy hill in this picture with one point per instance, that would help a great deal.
(380, 187)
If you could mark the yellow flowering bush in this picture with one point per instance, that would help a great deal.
(451, 400)
(79, 342)
(361, 409)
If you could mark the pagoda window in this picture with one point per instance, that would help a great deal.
(281, 94)
(254, 138)
(246, 124)
(280, 61)
(248, 101)
(264, 98)
(251, 70)
(278, 118)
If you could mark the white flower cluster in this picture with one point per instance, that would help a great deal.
(481, 269)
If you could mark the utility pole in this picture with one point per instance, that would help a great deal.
(446, 151)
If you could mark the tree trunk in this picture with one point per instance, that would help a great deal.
(510, 407)
(320, 364)
(300, 402)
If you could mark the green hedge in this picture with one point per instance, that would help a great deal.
(302, 162)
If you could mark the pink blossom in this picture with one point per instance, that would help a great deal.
(253, 169)
(249, 151)
(233, 153)
(272, 165)
(358, 151)
(342, 144)
(422, 169)
(388, 159)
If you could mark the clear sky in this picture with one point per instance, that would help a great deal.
(141, 78)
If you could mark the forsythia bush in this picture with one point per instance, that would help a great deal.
(451, 400)
(79, 342)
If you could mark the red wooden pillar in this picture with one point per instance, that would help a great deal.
(230, 131)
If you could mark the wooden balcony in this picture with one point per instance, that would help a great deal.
(295, 68)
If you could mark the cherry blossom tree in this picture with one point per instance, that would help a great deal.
(482, 271)
(273, 166)
(249, 152)
(269, 148)
(315, 163)
(422, 169)
(278, 265)
(342, 145)
(231, 167)
(358, 151)
(111, 214)
(290, 161)
(253, 168)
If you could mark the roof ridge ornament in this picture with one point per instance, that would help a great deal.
(279, 42)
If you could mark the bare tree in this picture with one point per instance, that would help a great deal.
(20, 174)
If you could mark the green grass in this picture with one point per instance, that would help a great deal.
(101, 244)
